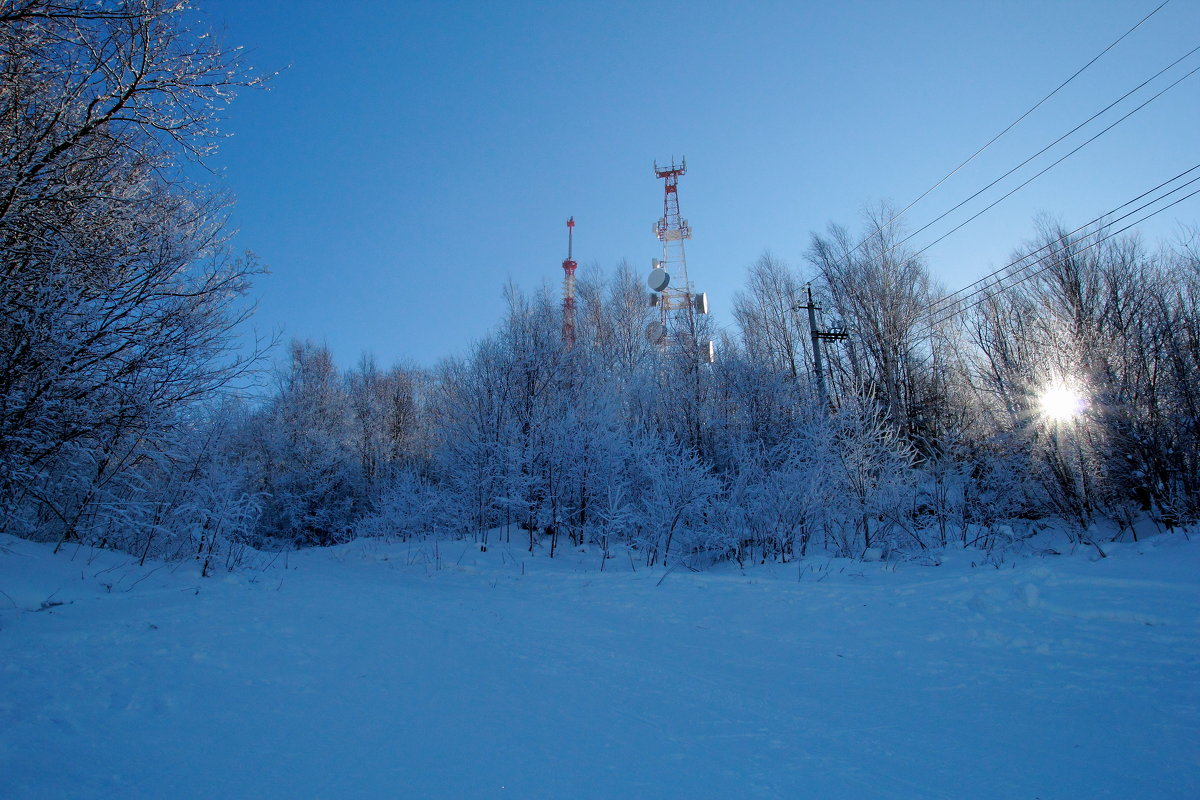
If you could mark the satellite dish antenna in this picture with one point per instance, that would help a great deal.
(656, 332)
(659, 279)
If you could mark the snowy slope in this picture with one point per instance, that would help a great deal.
(376, 670)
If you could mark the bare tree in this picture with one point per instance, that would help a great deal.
(765, 315)
(120, 299)
(881, 291)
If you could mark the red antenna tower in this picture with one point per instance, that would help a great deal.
(677, 301)
(568, 312)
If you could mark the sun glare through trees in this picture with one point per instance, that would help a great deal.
(1060, 402)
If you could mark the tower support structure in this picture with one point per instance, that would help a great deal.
(677, 300)
(568, 309)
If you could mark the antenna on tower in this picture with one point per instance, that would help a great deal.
(676, 299)
(569, 266)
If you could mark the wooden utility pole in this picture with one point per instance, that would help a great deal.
(818, 335)
(818, 368)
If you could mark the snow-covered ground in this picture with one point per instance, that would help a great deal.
(379, 670)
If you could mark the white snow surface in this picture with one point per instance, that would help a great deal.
(378, 670)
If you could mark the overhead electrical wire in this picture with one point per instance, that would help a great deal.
(950, 300)
(1108, 107)
(990, 291)
(1089, 246)
(1002, 284)
(1010, 126)
(1054, 164)
(946, 308)
(987, 291)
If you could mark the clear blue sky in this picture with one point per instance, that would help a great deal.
(412, 157)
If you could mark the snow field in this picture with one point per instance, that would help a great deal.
(384, 670)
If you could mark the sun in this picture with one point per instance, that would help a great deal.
(1061, 403)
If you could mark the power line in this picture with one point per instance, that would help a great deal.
(946, 308)
(1017, 188)
(1063, 249)
(949, 300)
(996, 138)
(987, 292)
(948, 311)
(1010, 126)
(957, 307)
(1065, 244)
(951, 210)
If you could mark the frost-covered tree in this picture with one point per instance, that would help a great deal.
(881, 291)
(768, 322)
(873, 479)
(308, 470)
(1110, 322)
(119, 298)
(675, 490)
(476, 448)
(385, 432)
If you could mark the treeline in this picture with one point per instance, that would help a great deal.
(120, 299)
(119, 425)
(933, 432)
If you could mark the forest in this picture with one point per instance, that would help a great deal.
(134, 416)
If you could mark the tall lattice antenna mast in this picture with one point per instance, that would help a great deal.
(677, 300)
(568, 310)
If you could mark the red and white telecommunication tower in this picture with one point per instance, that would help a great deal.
(568, 311)
(673, 294)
